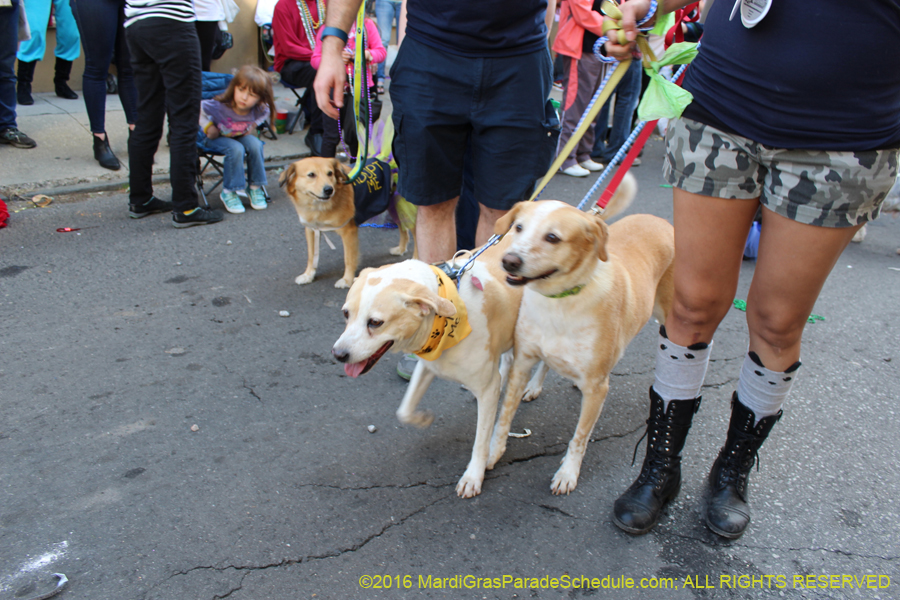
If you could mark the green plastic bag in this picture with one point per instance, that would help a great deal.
(662, 98)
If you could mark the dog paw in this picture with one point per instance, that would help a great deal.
(397, 251)
(469, 485)
(564, 481)
(419, 418)
(342, 284)
(305, 278)
(532, 392)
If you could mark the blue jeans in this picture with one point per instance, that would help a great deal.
(101, 23)
(9, 42)
(235, 150)
(386, 12)
(628, 93)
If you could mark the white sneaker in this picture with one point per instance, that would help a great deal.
(575, 171)
(591, 165)
(232, 202)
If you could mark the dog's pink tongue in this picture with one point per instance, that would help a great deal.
(354, 370)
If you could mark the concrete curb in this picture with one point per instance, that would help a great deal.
(122, 184)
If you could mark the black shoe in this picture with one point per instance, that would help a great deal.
(639, 508)
(61, 80)
(16, 138)
(24, 78)
(104, 154)
(727, 511)
(150, 207)
(198, 216)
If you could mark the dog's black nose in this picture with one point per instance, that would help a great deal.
(328, 190)
(512, 263)
(341, 355)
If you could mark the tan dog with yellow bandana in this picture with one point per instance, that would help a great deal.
(413, 307)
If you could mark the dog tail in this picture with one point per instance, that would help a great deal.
(623, 197)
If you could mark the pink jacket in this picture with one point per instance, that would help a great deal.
(574, 17)
(374, 46)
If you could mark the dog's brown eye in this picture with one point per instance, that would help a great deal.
(330, 173)
(311, 175)
(346, 313)
(552, 238)
(518, 227)
(375, 323)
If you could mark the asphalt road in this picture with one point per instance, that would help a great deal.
(116, 340)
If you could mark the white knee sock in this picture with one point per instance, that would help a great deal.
(761, 390)
(680, 371)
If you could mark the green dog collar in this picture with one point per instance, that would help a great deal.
(569, 292)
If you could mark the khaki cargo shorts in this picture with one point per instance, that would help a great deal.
(828, 189)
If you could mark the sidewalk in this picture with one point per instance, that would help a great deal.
(64, 157)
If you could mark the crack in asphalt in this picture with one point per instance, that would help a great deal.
(376, 487)
(305, 559)
(239, 587)
(251, 390)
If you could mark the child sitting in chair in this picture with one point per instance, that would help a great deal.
(229, 122)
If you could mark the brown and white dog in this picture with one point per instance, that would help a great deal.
(394, 308)
(589, 289)
(324, 200)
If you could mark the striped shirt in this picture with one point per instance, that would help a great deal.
(179, 10)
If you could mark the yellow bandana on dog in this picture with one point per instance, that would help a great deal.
(446, 332)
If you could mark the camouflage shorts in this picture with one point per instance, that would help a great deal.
(829, 189)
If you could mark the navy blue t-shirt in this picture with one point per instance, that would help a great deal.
(489, 28)
(820, 75)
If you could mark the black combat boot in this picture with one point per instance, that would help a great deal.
(61, 79)
(727, 511)
(24, 77)
(638, 509)
(104, 154)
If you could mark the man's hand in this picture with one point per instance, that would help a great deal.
(632, 12)
(330, 78)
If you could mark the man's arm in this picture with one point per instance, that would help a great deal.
(330, 77)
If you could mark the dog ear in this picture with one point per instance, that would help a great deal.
(427, 302)
(505, 222)
(340, 174)
(287, 177)
(601, 235)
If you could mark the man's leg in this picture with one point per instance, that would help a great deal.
(151, 109)
(436, 231)
(179, 63)
(486, 219)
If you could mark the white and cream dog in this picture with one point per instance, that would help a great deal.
(589, 289)
(407, 307)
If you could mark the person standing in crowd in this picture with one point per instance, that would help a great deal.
(101, 24)
(448, 86)
(388, 14)
(30, 52)
(209, 13)
(609, 140)
(295, 25)
(9, 41)
(165, 56)
(814, 141)
(580, 25)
